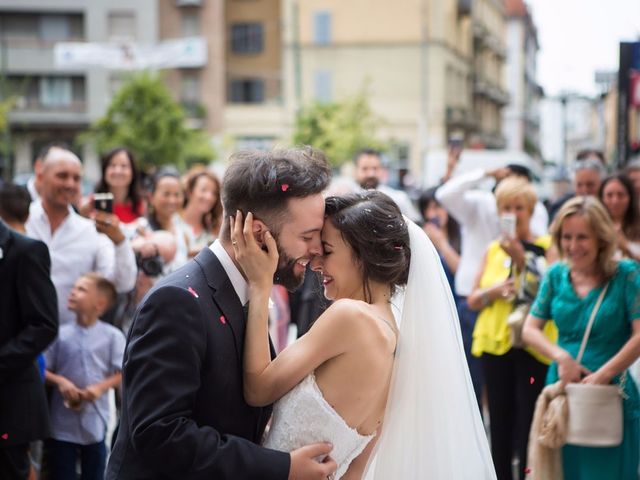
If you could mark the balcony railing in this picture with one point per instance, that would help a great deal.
(35, 105)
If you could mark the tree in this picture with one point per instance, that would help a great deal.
(144, 117)
(339, 129)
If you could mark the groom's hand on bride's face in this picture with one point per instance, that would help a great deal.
(312, 462)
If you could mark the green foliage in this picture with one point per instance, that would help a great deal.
(5, 107)
(144, 117)
(339, 129)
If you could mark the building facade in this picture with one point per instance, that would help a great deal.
(254, 115)
(200, 88)
(521, 118)
(488, 57)
(413, 59)
(55, 103)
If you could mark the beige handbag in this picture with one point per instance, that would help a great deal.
(516, 318)
(595, 411)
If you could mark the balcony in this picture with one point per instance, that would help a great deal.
(464, 7)
(33, 112)
(27, 56)
(485, 88)
(460, 117)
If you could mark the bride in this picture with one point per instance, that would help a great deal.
(394, 397)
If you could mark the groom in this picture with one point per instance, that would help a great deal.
(183, 410)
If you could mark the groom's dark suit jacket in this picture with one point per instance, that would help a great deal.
(28, 324)
(183, 410)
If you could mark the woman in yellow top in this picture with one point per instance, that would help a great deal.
(508, 277)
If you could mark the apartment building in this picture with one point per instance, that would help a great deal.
(488, 59)
(521, 118)
(199, 88)
(254, 113)
(432, 68)
(57, 103)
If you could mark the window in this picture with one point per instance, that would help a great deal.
(322, 28)
(190, 93)
(249, 90)
(322, 85)
(54, 27)
(55, 91)
(247, 38)
(121, 26)
(190, 24)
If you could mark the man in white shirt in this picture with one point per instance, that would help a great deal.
(477, 213)
(369, 172)
(76, 247)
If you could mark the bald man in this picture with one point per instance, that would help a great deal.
(75, 243)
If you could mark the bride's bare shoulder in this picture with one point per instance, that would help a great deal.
(348, 312)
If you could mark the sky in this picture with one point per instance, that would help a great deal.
(578, 37)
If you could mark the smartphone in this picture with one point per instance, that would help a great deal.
(103, 202)
(508, 225)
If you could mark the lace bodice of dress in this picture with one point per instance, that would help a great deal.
(303, 416)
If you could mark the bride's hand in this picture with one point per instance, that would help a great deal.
(258, 265)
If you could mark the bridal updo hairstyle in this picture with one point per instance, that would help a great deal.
(372, 224)
(263, 182)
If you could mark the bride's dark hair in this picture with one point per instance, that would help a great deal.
(372, 224)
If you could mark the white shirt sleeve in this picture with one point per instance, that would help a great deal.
(539, 223)
(455, 196)
(104, 261)
(126, 269)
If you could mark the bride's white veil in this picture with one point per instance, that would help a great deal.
(432, 428)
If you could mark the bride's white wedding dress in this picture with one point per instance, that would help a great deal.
(303, 416)
(432, 428)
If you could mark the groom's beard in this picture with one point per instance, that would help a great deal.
(285, 274)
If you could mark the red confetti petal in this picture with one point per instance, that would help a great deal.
(193, 292)
(5, 436)
(223, 320)
(532, 380)
(527, 470)
(284, 187)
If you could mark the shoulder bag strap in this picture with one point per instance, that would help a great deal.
(594, 312)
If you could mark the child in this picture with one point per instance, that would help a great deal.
(83, 363)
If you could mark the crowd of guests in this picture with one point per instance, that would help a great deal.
(526, 280)
(524, 276)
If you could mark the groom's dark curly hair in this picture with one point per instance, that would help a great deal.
(372, 224)
(262, 182)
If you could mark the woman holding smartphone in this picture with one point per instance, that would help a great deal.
(508, 279)
(444, 233)
(120, 179)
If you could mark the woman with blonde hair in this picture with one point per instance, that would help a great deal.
(585, 237)
(506, 284)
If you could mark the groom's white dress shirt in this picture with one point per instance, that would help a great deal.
(240, 285)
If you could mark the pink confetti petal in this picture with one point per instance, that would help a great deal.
(193, 292)
(223, 320)
(532, 380)
(527, 470)
(5, 436)
(284, 187)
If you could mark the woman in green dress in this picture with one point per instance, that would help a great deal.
(586, 240)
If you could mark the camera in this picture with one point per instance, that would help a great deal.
(151, 265)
